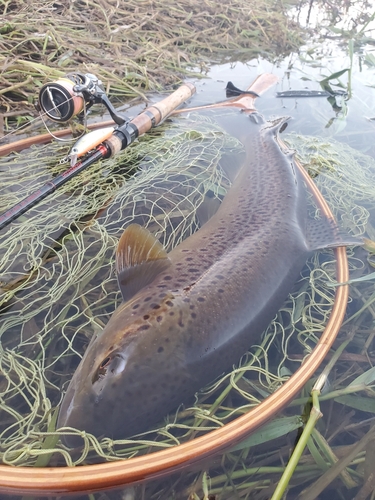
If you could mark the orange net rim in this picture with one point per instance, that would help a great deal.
(88, 478)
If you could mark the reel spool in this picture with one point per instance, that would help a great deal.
(69, 96)
(63, 99)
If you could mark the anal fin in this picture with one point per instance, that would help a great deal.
(140, 257)
(325, 233)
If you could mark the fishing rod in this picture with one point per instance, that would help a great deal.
(66, 98)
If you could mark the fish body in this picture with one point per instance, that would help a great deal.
(189, 315)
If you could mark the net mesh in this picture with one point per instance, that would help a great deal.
(58, 285)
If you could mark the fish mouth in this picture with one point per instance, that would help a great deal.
(68, 415)
(63, 420)
(72, 440)
(86, 405)
(71, 418)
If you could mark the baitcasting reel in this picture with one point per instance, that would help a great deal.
(72, 95)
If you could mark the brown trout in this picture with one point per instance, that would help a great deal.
(189, 315)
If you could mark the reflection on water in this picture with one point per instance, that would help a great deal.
(346, 181)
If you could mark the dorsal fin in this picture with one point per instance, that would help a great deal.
(140, 257)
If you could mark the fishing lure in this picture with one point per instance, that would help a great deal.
(89, 142)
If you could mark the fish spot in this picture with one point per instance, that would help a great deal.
(169, 303)
(147, 299)
(144, 327)
(159, 318)
(221, 290)
(186, 299)
(193, 270)
(201, 299)
(189, 258)
(193, 315)
(136, 306)
(185, 250)
(167, 278)
(171, 313)
(146, 316)
(155, 306)
(192, 306)
(220, 276)
(167, 339)
(161, 349)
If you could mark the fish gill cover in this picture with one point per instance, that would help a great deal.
(58, 284)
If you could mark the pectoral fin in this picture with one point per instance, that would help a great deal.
(140, 257)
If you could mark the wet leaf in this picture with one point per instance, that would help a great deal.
(368, 277)
(357, 402)
(366, 378)
(335, 30)
(370, 59)
(334, 76)
(49, 443)
(272, 430)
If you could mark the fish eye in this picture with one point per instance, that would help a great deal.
(105, 362)
(113, 364)
(102, 369)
